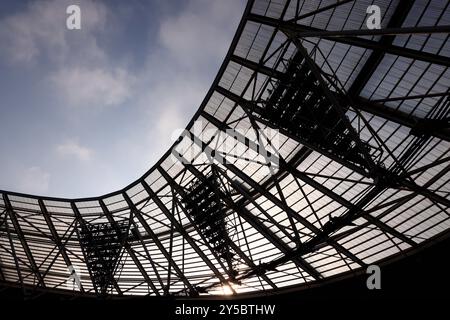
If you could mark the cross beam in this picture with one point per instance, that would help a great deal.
(182, 193)
(349, 37)
(183, 232)
(137, 213)
(250, 218)
(397, 19)
(26, 248)
(81, 221)
(56, 238)
(128, 248)
(288, 210)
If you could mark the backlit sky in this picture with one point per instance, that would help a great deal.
(86, 112)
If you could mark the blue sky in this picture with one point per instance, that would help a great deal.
(86, 112)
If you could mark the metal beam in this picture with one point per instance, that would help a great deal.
(426, 193)
(265, 231)
(297, 29)
(56, 238)
(339, 248)
(182, 231)
(371, 32)
(318, 241)
(289, 211)
(412, 97)
(355, 210)
(258, 67)
(397, 19)
(392, 31)
(26, 248)
(392, 206)
(13, 252)
(137, 213)
(399, 117)
(182, 193)
(250, 218)
(3, 221)
(128, 248)
(148, 256)
(359, 103)
(331, 96)
(81, 221)
(322, 9)
(252, 107)
(176, 188)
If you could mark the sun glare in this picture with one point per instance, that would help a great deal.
(227, 290)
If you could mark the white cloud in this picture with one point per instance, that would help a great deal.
(87, 69)
(179, 71)
(40, 31)
(201, 32)
(169, 120)
(81, 72)
(33, 180)
(98, 87)
(74, 149)
(24, 35)
(169, 105)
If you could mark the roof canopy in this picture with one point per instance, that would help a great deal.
(321, 147)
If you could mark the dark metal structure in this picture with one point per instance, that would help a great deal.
(102, 244)
(357, 172)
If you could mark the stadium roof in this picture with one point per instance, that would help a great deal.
(339, 158)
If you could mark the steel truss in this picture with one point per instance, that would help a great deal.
(363, 177)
